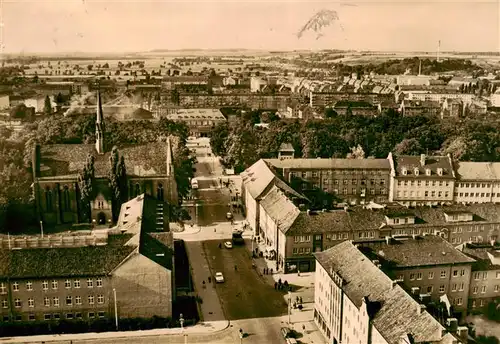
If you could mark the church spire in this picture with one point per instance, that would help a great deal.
(99, 126)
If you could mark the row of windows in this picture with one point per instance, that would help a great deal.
(315, 174)
(481, 303)
(355, 182)
(474, 185)
(477, 194)
(57, 316)
(345, 191)
(430, 275)
(54, 284)
(55, 301)
(425, 193)
(475, 289)
(484, 274)
(301, 250)
(420, 182)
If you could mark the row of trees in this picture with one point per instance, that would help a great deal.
(241, 144)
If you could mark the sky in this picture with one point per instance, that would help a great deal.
(54, 26)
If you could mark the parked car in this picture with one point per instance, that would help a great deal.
(219, 278)
(285, 331)
(228, 244)
(229, 216)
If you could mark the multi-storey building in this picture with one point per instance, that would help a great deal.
(354, 180)
(466, 98)
(356, 302)
(71, 277)
(323, 99)
(199, 121)
(427, 266)
(477, 182)
(485, 279)
(424, 180)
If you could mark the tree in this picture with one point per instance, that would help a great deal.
(117, 181)
(408, 147)
(106, 65)
(218, 138)
(47, 107)
(86, 186)
(356, 153)
(330, 113)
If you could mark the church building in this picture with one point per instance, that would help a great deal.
(149, 169)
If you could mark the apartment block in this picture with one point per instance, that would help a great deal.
(356, 302)
(354, 180)
(485, 279)
(424, 180)
(477, 182)
(427, 266)
(68, 277)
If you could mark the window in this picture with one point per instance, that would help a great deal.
(91, 315)
(67, 284)
(454, 287)
(100, 299)
(5, 304)
(295, 250)
(54, 284)
(69, 300)
(496, 288)
(91, 299)
(46, 301)
(474, 304)
(57, 316)
(15, 286)
(441, 289)
(32, 317)
(474, 290)
(477, 275)
(159, 192)
(485, 275)
(55, 301)
(443, 274)
(47, 316)
(45, 285)
(31, 302)
(458, 301)
(90, 283)
(455, 273)
(48, 199)
(78, 300)
(76, 283)
(137, 189)
(66, 199)
(412, 277)
(3, 288)
(462, 272)
(17, 303)
(69, 316)
(419, 276)
(429, 289)
(100, 314)
(483, 289)
(431, 275)
(461, 287)
(78, 315)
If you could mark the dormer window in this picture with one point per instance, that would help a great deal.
(440, 171)
(404, 171)
(416, 171)
(427, 171)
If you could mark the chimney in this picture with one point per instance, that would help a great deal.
(394, 283)
(421, 308)
(422, 159)
(388, 240)
(308, 212)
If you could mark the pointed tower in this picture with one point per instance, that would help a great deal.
(99, 126)
(170, 164)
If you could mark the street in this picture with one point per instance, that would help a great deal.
(244, 294)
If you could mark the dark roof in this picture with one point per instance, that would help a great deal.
(431, 162)
(421, 251)
(65, 262)
(69, 159)
(319, 222)
(303, 163)
(480, 253)
(394, 313)
(157, 247)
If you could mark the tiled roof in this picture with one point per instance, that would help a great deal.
(481, 252)
(431, 162)
(140, 160)
(319, 222)
(65, 262)
(331, 163)
(467, 170)
(398, 314)
(287, 147)
(279, 208)
(421, 251)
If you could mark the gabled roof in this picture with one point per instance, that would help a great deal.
(411, 252)
(398, 314)
(279, 208)
(411, 163)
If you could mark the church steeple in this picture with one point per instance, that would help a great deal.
(99, 126)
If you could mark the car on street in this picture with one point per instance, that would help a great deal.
(228, 244)
(229, 216)
(219, 278)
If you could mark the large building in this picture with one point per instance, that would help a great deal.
(428, 266)
(424, 180)
(87, 275)
(477, 182)
(199, 121)
(56, 169)
(354, 180)
(356, 302)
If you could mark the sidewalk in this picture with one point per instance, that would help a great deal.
(201, 328)
(301, 319)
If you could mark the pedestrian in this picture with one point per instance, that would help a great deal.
(271, 271)
(297, 299)
(209, 279)
(275, 286)
(300, 299)
(279, 281)
(303, 327)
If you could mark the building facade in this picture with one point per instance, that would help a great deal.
(477, 182)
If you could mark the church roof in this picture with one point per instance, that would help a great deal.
(69, 159)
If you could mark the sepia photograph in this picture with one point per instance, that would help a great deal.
(250, 172)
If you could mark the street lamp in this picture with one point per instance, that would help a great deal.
(116, 309)
(241, 335)
(181, 320)
(289, 307)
